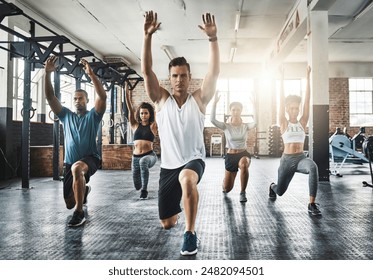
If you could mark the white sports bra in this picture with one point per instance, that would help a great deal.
(294, 133)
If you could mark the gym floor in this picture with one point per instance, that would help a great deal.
(121, 226)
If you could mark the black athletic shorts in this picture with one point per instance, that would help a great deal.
(170, 192)
(231, 160)
(93, 164)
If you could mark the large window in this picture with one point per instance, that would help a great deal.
(18, 86)
(361, 113)
(241, 90)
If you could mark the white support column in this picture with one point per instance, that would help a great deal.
(265, 89)
(318, 59)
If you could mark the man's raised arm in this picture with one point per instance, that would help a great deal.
(209, 83)
(53, 101)
(100, 102)
(150, 79)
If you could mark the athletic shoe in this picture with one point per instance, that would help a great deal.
(144, 194)
(87, 191)
(77, 219)
(313, 208)
(243, 197)
(190, 244)
(272, 194)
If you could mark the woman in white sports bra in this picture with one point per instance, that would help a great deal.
(293, 135)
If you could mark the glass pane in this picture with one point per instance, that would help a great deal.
(352, 84)
(360, 97)
(34, 92)
(19, 108)
(353, 97)
(368, 108)
(360, 84)
(292, 87)
(20, 67)
(353, 109)
(239, 85)
(368, 97)
(20, 88)
(360, 106)
(222, 85)
(369, 120)
(368, 84)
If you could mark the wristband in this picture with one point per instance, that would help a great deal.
(213, 39)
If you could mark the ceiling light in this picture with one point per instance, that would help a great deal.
(237, 23)
(167, 52)
(232, 53)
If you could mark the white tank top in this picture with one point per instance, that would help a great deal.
(294, 133)
(180, 132)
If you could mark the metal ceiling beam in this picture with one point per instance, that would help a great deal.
(33, 48)
(9, 9)
(294, 31)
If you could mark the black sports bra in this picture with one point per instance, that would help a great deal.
(143, 133)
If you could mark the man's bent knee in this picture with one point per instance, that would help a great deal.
(169, 223)
(70, 202)
(77, 168)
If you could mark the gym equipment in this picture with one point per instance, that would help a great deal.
(357, 140)
(367, 147)
(343, 150)
(122, 125)
(275, 144)
(216, 139)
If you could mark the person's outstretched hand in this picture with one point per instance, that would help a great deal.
(209, 26)
(151, 25)
(50, 65)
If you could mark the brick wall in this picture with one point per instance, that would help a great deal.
(339, 107)
(338, 103)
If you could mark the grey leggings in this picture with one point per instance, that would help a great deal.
(289, 164)
(140, 169)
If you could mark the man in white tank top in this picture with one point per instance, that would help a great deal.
(180, 119)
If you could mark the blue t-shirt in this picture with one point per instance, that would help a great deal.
(80, 134)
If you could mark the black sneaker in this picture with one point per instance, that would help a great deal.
(87, 191)
(190, 244)
(243, 197)
(144, 194)
(313, 209)
(272, 194)
(77, 219)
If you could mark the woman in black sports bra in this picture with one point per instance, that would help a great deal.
(144, 128)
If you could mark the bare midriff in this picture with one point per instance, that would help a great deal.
(235, 151)
(142, 147)
(293, 148)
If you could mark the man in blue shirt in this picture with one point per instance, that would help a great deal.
(80, 131)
